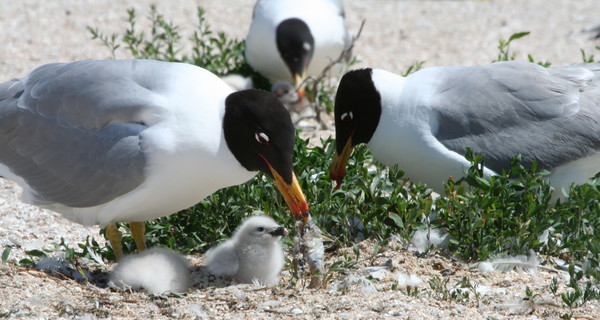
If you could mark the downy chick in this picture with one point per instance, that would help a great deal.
(252, 255)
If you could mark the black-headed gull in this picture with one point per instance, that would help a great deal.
(134, 140)
(289, 40)
(424, 121)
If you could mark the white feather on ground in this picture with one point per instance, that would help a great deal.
(408, 280)
(378, 273)
(525, 263)
(252, 255)
(155, 270)
(355, 282)
(485, 267)
(517, 306)
(424, 239)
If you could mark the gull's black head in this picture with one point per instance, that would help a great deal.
(357, 108)
(295, 44)
(259, 132)
(357, 112)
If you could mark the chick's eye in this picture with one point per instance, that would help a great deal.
(347, 116)
(262, 138)
(260, 229)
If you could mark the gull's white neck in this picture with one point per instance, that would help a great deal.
(405, 134)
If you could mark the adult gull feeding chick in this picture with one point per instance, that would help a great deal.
(134, 140)
(424, 121)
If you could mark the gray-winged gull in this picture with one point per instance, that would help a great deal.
(253, 254)
(424, 121)
(289, 40)
(134, 140)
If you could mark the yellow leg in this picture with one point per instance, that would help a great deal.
(138, 229)
(114, 237)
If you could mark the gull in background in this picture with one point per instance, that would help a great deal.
(424, 121)
(134, 140)
(289, 40)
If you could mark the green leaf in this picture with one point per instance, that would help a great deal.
(483, 182)
(397, 220)
(518, 35)
(26, 262)
(5, 254)
(36, 253)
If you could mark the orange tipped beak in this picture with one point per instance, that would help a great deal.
(337, 171)
(298, 83)
(292, 194)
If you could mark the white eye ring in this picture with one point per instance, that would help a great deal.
(306, 46)
(347, 116)
(262, 138)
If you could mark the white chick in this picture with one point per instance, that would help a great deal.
(155, 270)
(252, 255)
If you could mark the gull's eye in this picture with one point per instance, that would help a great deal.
(347, 116)
(306, 47)
(262, 138)
(260, 229)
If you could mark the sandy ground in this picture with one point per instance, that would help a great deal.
(396, 34)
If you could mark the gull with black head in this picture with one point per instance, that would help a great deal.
(289, 40)
(424, 122)
(134, 140)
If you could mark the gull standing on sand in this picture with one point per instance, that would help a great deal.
(252, 255)
(134, 140)
(424, 121)
(289, 40)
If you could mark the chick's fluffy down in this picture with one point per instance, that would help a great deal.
(155, 270)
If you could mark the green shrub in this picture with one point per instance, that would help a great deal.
(505, 214)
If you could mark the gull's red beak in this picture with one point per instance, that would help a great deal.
(337, 171)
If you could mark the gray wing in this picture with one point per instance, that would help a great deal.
(510, 108)
(72, 131)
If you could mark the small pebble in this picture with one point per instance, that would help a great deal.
(296, 311)
(272, 304)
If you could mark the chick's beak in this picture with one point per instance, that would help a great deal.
(337, 171)
(292, 193)
(281, 231)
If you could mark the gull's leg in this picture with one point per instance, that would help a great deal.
(138, 229)
(114, 237)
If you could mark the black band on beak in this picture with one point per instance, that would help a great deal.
(281, 231)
